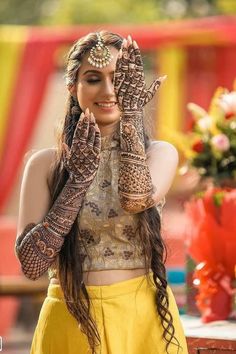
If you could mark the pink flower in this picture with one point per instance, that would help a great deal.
(220, 142)
(228, 103)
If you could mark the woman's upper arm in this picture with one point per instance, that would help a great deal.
(162, 159)
(34, 194)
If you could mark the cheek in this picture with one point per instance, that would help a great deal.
(85, 95)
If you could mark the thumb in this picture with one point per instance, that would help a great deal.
(154, 87)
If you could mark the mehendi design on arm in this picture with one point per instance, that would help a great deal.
(135, 183)
(38, 246)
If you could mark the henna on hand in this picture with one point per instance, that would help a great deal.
(38, 246)
(129, 80)
(135, 183)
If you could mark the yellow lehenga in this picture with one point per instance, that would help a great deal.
(126, 318)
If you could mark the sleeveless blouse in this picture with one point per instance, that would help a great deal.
(108, 237)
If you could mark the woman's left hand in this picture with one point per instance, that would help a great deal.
(129, 80)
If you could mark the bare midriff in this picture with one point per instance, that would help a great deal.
(108, 277)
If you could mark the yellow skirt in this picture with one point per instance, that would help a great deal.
(125, 315)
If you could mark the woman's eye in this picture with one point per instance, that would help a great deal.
(92, 81)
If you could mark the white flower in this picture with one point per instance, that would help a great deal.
(204, 123)
(220, 142)
(228, 102)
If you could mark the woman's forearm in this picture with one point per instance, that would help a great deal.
(135, 183)
(38, 246)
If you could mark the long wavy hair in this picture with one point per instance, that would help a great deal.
(69, 261)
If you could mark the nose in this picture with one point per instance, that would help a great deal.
(108, 87)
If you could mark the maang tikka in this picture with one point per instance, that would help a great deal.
(100, 55)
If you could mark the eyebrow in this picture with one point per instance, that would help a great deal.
(95, 72)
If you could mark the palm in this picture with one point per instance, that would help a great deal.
(129, 81)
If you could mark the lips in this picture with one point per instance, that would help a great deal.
(106, 104)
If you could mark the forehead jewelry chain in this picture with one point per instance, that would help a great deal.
(100, 55)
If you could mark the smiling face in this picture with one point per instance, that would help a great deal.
(95, 90)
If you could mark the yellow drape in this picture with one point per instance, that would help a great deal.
(172, 62)
(12, 44)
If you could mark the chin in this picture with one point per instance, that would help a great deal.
(107, 120)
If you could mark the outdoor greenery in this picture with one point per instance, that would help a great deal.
(69, 12)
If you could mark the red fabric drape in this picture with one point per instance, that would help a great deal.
(37, 65)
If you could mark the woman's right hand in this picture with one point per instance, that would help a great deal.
(82, 159)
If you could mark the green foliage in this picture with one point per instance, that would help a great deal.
(75, 12)
(103, 11)
(20, 12)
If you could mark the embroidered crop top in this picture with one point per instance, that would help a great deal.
(106, 231)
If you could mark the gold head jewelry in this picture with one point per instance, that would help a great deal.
(100, 55)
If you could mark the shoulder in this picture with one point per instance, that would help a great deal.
(40, 161)
(160, 147)
(162, 160)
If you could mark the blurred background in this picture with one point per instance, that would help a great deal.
(193, 42)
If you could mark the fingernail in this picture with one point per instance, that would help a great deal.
(92, 117)
(162, 78)
(135, 44)
(82, 115)
(129, 38)
(125, 43)
(87, 111)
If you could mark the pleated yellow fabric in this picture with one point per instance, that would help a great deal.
(125, 315)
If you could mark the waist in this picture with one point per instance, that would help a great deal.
(107, 277)
(110, 290)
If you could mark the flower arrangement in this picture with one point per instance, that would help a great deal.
(210, 147)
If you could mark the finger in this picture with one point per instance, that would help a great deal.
(124, 56)
(156, 84)
(92, 118)
(92, 131)
(138, 58)
(81, 130)
(129, 40)
(135, 45)
(97, 140)
(132, 59)
(152, 90)
(124, 44)
(91, 135)
(162, 78)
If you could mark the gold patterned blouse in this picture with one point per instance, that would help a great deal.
(106, 231)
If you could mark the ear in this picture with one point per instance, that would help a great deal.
(72, 90)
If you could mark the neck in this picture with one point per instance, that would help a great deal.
(107, 130)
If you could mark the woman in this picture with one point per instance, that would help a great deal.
(90, 213)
